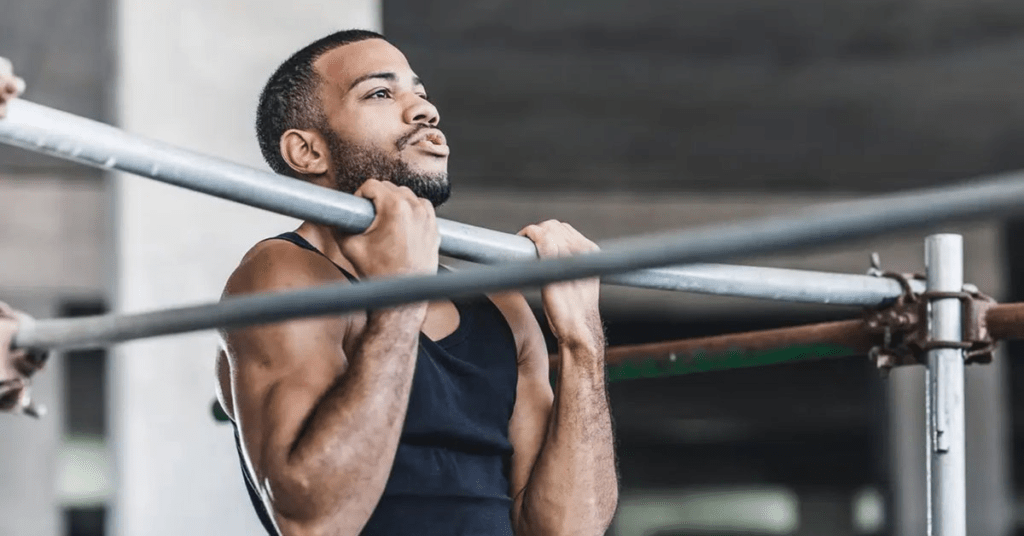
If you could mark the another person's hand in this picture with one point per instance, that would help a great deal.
(10, 86)
(571, 306)
(16, 367)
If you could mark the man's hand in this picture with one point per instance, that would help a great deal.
(402, 240)
(571, 306)
(10, 86)
(16, 367)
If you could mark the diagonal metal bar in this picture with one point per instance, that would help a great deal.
(816, 226)
(42, 129)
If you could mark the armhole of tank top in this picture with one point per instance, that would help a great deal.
(298, 241)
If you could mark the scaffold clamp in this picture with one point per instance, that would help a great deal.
(903, 324)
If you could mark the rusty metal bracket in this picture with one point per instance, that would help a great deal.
(904, 329)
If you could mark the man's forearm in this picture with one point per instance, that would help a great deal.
(574, 487)
(344, 452)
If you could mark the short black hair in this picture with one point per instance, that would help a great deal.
(290, 98)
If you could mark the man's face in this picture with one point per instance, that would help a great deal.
(380, 124)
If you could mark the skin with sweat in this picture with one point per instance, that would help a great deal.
(320, 403)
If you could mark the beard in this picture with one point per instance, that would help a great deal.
(354, 165)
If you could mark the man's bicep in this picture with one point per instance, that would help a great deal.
(280, 371)
(534, 397)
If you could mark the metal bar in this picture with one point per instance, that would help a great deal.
(946, 467)
(1005, 321)
(774, 234)
(827, 224)
(63, 135)
(781, 284)
(847, 333)
(341, 298)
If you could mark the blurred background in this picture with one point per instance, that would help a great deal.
(620, 117)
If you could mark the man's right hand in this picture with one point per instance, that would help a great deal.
(10, 86)
(403, 238)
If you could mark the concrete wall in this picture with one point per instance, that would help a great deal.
(190, 73)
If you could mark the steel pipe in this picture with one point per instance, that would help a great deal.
(1005, 321)
(63, 135)
(945, 405)
(800, 230)
(850, 334)
(826, 224)
(1002, 321)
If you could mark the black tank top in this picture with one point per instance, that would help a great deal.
(451, 473)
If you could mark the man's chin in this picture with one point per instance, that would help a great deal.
(428, 168)
(432, 187)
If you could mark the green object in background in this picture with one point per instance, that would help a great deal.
(702, 362)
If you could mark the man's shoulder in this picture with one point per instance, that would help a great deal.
(279, 265)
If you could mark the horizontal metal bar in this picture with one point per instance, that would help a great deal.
(42, 129)
(851, 334)
(1005, 321)
(780, 284)
(813, 342)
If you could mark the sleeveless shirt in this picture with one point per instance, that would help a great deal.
(450, 475)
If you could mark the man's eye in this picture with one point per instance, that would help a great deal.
(380, 94)
(425, 97)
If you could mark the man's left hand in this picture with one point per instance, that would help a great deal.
(571, 306)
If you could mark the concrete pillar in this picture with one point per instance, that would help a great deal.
(189, 73)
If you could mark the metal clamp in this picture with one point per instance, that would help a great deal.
(903, 326)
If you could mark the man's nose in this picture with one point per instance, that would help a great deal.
(421, 110)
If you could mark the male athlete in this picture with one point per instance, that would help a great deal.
(427, 419)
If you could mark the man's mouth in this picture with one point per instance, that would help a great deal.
(431, 141)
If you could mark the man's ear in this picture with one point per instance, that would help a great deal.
(304, 151)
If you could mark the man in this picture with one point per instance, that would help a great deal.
(425, 419)
(16, 368)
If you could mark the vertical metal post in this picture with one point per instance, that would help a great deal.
(946, 466)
